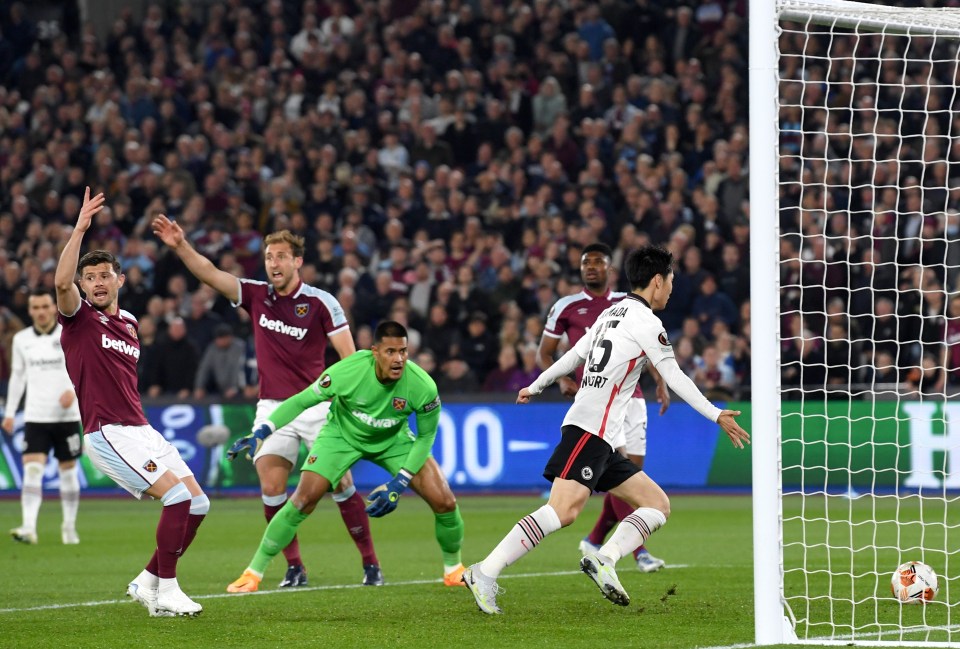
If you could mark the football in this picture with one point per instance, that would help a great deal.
(914, 582)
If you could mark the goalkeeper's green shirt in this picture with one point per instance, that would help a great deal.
(369, 414)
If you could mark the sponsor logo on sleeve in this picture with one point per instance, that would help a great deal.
(663, 339)
(399, 403)
(325, 381)
(302, 309)
(433, 405)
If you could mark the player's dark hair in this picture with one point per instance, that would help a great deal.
(97, 257)
(644, 264)
(389, 329)
(295, 242)
(602, 248)
(40, 292)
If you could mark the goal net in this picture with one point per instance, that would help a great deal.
(861, 225)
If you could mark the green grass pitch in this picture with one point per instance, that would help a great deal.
(72, 596)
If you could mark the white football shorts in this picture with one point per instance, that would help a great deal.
(133, 456)
(286, 441)
(635, 427)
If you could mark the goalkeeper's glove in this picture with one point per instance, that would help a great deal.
(384, 498)
(250, 444)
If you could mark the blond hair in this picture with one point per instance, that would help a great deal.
(295, 242)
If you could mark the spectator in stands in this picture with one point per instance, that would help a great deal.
(222, 366)
(176, 363)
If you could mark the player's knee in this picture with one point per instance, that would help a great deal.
(664, 506)
(445, 504)
(200, 505)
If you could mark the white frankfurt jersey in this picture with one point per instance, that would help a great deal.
(39, 368)
(624, 338)
(616, 349)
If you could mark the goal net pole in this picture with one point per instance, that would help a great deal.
(764, 325)
(830, 562)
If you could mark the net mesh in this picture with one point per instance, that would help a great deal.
(869, 218)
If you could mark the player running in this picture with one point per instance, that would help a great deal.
(292, 323)
(625, 338)
(101, 347)
(51, 417)
(573, 315)
(373, 394)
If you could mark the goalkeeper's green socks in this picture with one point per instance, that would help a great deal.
(280, 532)
(449, 530)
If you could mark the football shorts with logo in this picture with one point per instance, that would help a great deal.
(589, 460)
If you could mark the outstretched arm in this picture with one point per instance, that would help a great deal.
(689, 392)
(68, 295)
(567, 363)
(201, 267)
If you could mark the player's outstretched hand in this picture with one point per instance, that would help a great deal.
(7, 425)
(524, 396)
(384, 498)
(89, 209)
(250, 444)
(733, 430)
(167, 231)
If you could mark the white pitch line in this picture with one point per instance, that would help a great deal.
(302, 589)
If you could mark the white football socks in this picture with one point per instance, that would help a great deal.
(69, 495)
(524, 536)
(31, 495)
(632, 532)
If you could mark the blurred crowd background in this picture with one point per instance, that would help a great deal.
(445, 161)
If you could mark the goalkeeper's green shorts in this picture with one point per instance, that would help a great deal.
(332, 456)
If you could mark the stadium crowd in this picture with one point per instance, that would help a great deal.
(445, 161)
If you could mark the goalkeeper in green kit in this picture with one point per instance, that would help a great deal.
(373, 393)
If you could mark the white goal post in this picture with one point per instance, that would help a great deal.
(855, 180)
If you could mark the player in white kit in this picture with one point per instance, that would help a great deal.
(625, 338)
(51, 417)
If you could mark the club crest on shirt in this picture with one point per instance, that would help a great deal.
(311, 459)
(302, 309)
(586, 472)
(131, 330)
(399, 404)
(325, 381)
(150, 466)
(663, 339)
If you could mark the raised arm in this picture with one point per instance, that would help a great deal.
(68, 295)
(201, 267)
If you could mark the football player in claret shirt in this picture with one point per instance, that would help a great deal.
(573, 315)
(373, 394)
(101, 348)
(292, 323)
(625, 338)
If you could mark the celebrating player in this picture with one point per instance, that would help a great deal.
(101, 348)
(292, 324)
(373, 394)
(625, 338)
(572, 315)
(51, 417)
